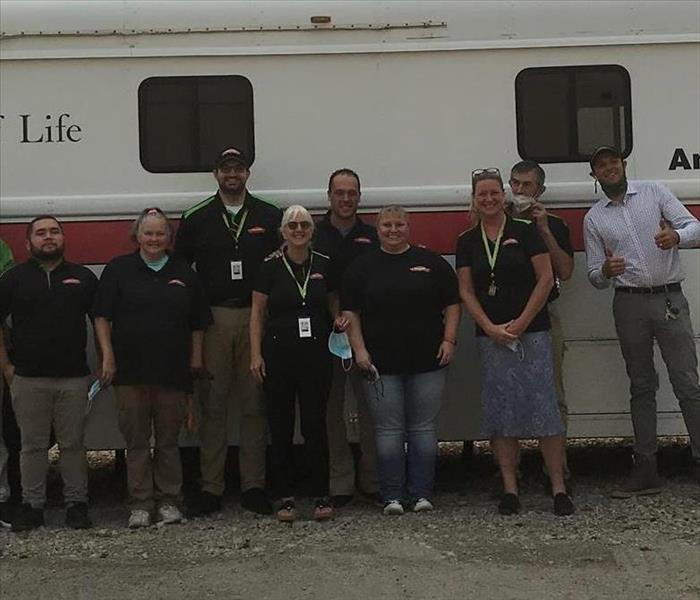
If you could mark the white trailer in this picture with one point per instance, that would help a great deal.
(108, 107)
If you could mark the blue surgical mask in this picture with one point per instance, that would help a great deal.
(339, 346)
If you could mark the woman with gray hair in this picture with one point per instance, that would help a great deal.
(290, 321)
(150, 315)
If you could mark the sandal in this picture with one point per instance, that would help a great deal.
(323, 509)
(287, 512)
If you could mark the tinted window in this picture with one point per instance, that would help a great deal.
(564, 113)
(185, 121)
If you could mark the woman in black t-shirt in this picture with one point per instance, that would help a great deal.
(289, 327)
(505, 277)
(403, 306)
(150, 315)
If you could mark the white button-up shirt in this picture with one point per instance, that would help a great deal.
(627, 229)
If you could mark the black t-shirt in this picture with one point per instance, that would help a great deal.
(285, 306)
(153, 315)
(401, 299)
(48, 311)
(560, 231)
(514, 274)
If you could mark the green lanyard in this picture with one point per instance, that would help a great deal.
(302, 288)
(492, 257)
(235, 226)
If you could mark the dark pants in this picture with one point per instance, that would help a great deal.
(297, 369)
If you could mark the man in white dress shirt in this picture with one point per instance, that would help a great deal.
(632, 238)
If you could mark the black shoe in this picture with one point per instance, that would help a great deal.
(7, 511)
(563, 505)
(204, 504)
(341, 500)
(256, 501)
(27, 518)
(77, 516)
(509, 504)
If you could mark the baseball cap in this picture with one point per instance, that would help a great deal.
(600, 150)
(232, 153)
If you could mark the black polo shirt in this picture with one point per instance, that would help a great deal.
(560, 231)
(515, 276)
(205, 238)
(343, 249)
(153, 315)
(401, 299)
(48, 312)
(285, 306)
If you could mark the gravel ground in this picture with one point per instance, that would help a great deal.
(645, 548)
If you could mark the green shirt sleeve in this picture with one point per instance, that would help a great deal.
(6, 258)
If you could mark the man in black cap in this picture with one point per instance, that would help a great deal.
(632, 238)
(227, 237)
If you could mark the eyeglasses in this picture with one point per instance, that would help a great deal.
(303, 225)
(479, 173)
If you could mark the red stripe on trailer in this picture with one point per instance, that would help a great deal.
(96, 242)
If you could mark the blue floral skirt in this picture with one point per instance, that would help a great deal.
(518, 398)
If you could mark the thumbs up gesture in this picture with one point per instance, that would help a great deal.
(667, 237)
(613, 265)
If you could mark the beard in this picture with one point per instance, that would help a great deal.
(614, 189)
(46, 255)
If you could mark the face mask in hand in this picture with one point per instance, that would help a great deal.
(521, 203)
(339, 345)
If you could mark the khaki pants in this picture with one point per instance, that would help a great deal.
(342, 465)
(558, 349)
(4, 485)
(227, 357)
(40, 403)
(145, 411)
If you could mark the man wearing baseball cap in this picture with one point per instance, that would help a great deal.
(632, 238)
(227, 237)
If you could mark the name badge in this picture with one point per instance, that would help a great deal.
(304, 327)
(236, 270)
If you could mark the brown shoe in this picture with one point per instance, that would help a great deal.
(287, 512)
(323, 509)
(643, 481)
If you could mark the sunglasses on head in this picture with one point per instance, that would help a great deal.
(479, 173)
(303, 225)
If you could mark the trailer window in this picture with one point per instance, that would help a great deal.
(185, 121)
(564, 113)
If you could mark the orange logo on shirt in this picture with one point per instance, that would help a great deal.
(362, 240)
(177, 282)
(420, 269)
(71, 281)
(316, 276)
(255, 230)
(510, 241)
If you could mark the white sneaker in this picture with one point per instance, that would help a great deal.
(393, 507)
(139, 518)
(422, 505)
(169, 513)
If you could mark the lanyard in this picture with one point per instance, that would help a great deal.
(235, 226)
(302, 288)
(492, 257)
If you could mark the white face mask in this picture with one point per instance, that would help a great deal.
(521, 203)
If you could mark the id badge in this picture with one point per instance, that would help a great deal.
(304, 327)
(236, 270)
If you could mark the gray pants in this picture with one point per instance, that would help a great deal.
(40, 403)
(4, 485)
(639, 319)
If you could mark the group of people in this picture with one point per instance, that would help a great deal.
(281, 310)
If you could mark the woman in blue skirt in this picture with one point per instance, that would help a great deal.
(505, 277)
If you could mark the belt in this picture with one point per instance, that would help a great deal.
(657, 289)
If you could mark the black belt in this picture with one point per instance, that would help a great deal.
(657, 289)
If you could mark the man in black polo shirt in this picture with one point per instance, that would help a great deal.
(227, 237)
(48, 299)
(527, 186)
(343, 237)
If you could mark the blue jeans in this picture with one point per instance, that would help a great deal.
(404, 409)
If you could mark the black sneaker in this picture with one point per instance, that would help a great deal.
(509, 504)
(341, 500)
(204, 504)
(77, 516)
(27, 518)
(256, 501)
(7, 511)
(563, 505)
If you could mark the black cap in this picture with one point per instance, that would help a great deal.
(232, 153)
(600, 150)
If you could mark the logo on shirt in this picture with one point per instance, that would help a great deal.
(71, 281)
(256, 230)
(316, 276)
(362, 240)
(177, 282)
(420, 269)
(510, 241)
